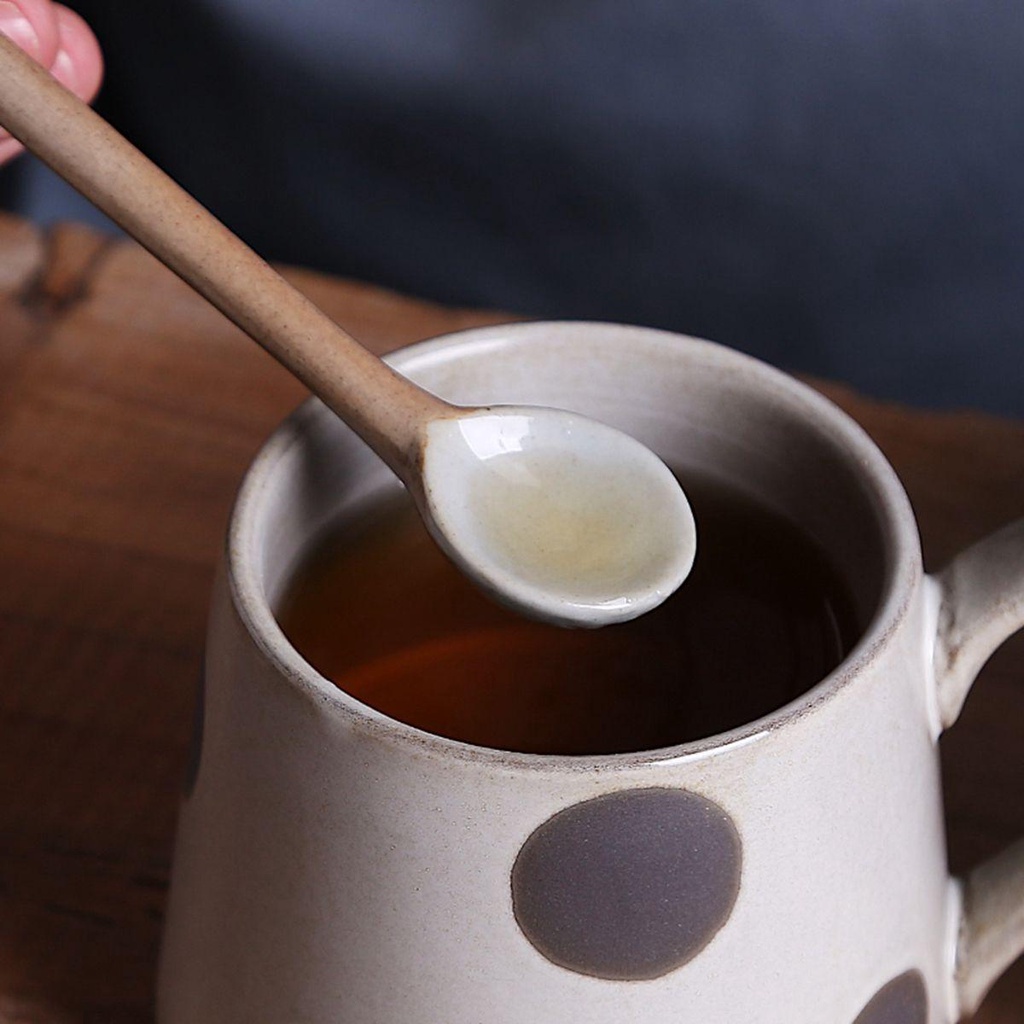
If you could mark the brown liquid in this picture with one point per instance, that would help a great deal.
(763, 617)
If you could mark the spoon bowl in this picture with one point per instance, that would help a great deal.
(566, 519)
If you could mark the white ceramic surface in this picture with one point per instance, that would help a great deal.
(556, 515)
(333, 865)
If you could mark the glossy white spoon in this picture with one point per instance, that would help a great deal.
(563, 518)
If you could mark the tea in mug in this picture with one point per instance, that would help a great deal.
(376, 608)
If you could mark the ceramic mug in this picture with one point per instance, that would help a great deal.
(334, 865)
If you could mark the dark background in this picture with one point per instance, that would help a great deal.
(834, 187)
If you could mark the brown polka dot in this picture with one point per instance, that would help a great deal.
(630, 885)
(903, 1000)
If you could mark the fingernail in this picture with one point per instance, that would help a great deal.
(64, 70)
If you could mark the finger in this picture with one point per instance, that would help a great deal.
(32, 24)
(78, 63)
(60, 40)
(8, 147)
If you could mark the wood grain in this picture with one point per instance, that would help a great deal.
(128, 412)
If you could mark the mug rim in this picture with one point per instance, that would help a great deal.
(902, 569)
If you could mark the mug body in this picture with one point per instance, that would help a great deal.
(335, 865)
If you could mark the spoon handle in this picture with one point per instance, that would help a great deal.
(385, 409)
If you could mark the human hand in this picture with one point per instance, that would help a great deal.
(59, 40)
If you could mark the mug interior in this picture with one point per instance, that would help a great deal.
(704, 409)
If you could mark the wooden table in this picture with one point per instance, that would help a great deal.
(128, 413)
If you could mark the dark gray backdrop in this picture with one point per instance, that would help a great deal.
(834, 186)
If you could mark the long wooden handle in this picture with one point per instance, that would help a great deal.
(386, 410)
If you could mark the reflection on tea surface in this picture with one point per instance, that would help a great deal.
(380, 611)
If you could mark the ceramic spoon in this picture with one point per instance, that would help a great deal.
(560, 517)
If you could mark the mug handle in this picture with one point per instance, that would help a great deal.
(981, 603)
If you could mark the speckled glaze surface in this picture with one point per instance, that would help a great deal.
(333, 865)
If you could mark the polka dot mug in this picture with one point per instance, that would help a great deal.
(334, 865)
